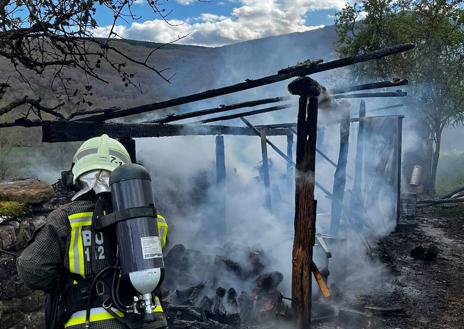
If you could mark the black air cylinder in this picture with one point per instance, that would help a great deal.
(139, 245)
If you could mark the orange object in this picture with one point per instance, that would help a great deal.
(320, 281)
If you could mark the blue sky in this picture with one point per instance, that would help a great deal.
(220, 22)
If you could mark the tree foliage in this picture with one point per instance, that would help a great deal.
(50, 40)
(435, 67)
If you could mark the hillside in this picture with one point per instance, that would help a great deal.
(194, 68)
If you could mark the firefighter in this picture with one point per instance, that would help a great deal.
(66, 254)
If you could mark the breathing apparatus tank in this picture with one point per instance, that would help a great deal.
(139, 245)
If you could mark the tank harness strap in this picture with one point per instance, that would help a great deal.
(96, 314)
(124, 214)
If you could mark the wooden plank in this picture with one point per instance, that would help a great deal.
(221, 188)
(219, 109)
(246, 114)
(359, 152)
(69, 131)
(265, 172)
(398, 93)
(367, 86)
(340, 176)
(290, 158)
(305, 205)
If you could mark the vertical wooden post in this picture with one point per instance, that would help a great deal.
(340, 175)
(129, 145)
(290, 158)
(359, 151)
(398, 161)
(265, 171)
(305, 205)
(220, 182)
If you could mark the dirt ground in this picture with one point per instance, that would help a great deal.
(418, 293)
(431, 293)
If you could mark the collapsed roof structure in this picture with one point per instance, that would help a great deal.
(311, 95)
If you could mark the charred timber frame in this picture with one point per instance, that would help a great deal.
(305, 205)
(282, 154)
(285, 74)
(265, 171)
(71, 131)
(340, 175)
(225, 108)
(221, 186)
(359, 151)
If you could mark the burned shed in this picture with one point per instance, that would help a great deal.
(311, 97)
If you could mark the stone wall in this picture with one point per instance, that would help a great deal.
(20, 307)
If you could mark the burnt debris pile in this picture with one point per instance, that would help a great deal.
(204, 291)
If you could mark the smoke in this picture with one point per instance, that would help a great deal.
(184, 181)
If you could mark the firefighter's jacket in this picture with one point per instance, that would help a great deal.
(67, 248)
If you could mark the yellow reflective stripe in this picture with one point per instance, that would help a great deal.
(71, 256)
(158, 308)
(96, 314)
(80, 249)
(80, 215)
(76, 246)
(162, 229)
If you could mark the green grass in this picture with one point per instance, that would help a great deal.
(11, 208)
(450, 173)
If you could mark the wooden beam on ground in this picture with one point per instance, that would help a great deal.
(284, 74)
(340, 176)
(71, 131)
(305, 205)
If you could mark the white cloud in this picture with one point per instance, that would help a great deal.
(185, 2)
(251, 19)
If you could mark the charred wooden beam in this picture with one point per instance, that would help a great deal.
(367, 86)
(398, 93)
(129, 145)
(220, 183)
(340, 176)
(246, 114)
(225, 108)
(265, 172)
(219, 109)
(69, 131)
(305, 204)
(386, 108)
(282, 154)
(359, 152)
(288, 73)
(399, 144)
(289, 157)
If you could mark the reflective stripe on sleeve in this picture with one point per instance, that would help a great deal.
(76, 247)
(96, 314)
